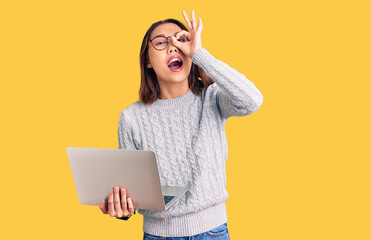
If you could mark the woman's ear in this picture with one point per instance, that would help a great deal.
(149, 65)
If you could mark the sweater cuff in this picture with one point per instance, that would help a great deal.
(203, 58)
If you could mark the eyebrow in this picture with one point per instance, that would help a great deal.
(163, 35)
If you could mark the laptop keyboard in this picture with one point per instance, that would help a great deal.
(168, 199)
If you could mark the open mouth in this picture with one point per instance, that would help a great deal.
(176, 65)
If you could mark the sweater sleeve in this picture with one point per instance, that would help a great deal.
(236, 95)
(125, 134)
(125, 142)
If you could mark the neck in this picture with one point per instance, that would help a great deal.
(170, 92)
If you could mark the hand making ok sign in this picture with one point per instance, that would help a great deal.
(194, 36)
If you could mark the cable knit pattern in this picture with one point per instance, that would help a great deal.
(188, 136)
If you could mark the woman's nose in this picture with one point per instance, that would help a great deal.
(172, 48)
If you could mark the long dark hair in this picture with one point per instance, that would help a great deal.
(149, 89)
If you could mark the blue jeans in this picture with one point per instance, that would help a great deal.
(218, 233)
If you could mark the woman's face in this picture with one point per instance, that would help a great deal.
(158, 59)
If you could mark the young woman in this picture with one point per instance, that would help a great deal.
(186, 96)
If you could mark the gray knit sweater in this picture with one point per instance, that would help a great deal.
(188, 136)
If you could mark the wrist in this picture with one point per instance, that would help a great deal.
(195, 51)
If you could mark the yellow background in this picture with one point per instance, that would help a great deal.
(298, 168)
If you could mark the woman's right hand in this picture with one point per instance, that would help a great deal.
(117, 207)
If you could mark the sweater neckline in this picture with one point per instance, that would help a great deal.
(174, 102)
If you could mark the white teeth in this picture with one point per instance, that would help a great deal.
(174, 59)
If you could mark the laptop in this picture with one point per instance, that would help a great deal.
(96, 170)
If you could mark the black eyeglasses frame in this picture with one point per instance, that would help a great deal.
(167, 41)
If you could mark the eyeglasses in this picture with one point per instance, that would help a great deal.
(161, 42)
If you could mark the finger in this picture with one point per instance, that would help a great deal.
(131, 207)
(185, 33)
(123, 200)
(200, 25)
(117, 201)
(111, 209)
(175, 42)
(102, 207)
(187, 20)
(194, 23)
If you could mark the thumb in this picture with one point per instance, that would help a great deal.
(175, 42)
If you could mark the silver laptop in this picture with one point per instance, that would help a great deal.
(96, 170)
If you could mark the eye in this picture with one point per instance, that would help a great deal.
(182, 39)
(159, 43)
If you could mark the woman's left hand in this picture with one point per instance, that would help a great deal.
(194, 36)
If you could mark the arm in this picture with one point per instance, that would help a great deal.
(236, 95)
(125, 134)
(125, 142)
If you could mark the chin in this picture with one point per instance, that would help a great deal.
(178, 79)
(180, 76)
